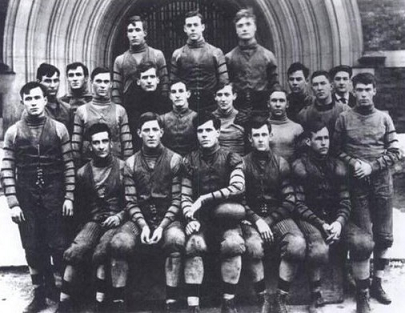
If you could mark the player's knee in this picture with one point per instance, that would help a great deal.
(254, 247)
(232, 244)
(122, 244)
(175, 242)
(361, 247)
(76, 254)
(318, 252)
(195, 246)
(294, 247)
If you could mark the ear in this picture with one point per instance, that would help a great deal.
(203, 27)
(235, 95)
(139, 133)
(162, 131)
(307, 142)
(188, 94)
(250, 138)
(145, 32)
(157, 80)
(138, 81)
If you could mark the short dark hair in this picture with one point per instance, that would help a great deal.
(277, 88)
(144, 66)
(297, 66)
(98, 128)
(321, 73)
(136, 18)
(149, 116)
(194, 13)
(176, 82)
(256, 122)
(99, 70)
(223, 85)
(25, 90)
(204, 117)
(312, 127)
(46, 69)
(75, 65)
(340, 68)
(364, 78)
(248, 13)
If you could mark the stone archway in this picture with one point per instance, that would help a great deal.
(319, 33)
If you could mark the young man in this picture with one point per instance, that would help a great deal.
(323, 207)
(152, 193)
(232, 136)
(198, 64)
(77, 75)
(101, 109)
(179, 134)
(252, 68)
(49, 76)
(270, 202)
(100, 201)
(286, 133)
(299, 97)
(38, 178)
(324, 108)
(365, 139)
(341, 76)
(147, 99)
(126, 64)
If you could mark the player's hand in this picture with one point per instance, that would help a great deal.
(362, 169)
(67, 208)
(189, 212)
(111, 221)
(336, 230)
(264, 231)
(192, 227)
(17, 215)
(157, 235)
(145, 235)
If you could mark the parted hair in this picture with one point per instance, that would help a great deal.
(321, 73)
(149, 116)
(99, 70)
(98, 128)
(136, 18)
(46, 69)
(312, 127)
(204, 117)
(298, 66)
(257, 121)
(248, 13)
(364, 78)
(340, 68)
(194, 13)
(144, 66)
(25, 90)
(75, 65)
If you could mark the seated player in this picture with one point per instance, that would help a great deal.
(232, 136)
(100, 201)
(152, 192)
(270, 202)
(323, 207)
(212, 186)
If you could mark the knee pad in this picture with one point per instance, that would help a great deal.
(232, 245)
(196, 246)
(229, 212)
(175, 242)
(76, 253)
(254, 246)
(293, 247)
(361, 247)
(318, 253)
(122, 244)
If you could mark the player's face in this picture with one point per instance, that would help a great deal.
(207, 135)
(246, 28)
(260, 138)
(76, 78)
(136, 34)
(148, 80)
(101, 144)
(102, 85)
(51, 83)
(364, 94)
(194, 28)
(322, 87)
(151, 134)
(278, 103)
(319, 141)
(179, 95)
(224, 98)
(297, 82)
(341, 82)
(34, 102)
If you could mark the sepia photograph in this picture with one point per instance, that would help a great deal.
(202, 156)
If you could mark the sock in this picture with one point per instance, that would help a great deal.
(363, 284)
(315, 286)
(228, 290)
(283, 285)
(260, 286)
(172, 294)
(101, 289)
(66, 290)
(118, 294)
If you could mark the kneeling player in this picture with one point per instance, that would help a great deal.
(323, 207)
(152, 192)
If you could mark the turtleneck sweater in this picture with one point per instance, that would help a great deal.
(125, 72)
(285, 137)
(35, 126)
(101, 168)
(77, 97)
(252, 67)
(367, 134)
(60, 111)
(232, 136)
(321, 189)
(101, 110)
(200, 65)
(297, 102)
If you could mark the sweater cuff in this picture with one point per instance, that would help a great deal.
(341, 220)
(374, 166)
(141, 223)
(70, 196)
(165, 222)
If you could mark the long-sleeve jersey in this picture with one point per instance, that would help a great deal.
(34, 143)
(269, 193)
(218, 175)
(321, 190)
(369, 137)
(153, 194)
